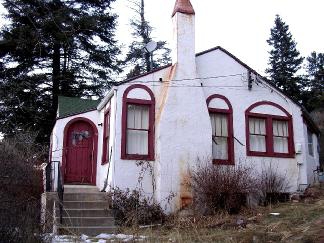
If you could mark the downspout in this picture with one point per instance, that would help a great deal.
(115, 94)
(113, 145)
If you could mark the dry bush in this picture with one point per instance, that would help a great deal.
(132, 209)
(218, 187)
(20, 189)
(273, 185)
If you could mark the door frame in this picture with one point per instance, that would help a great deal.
(95, 146)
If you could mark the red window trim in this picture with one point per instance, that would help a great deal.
(151, 104)
(269, 131)
(230, 139)
(105, 138)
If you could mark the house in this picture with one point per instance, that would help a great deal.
(150, 130)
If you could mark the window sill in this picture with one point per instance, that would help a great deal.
(137, 157)
(270, 155)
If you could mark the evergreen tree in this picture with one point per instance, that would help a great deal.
(285, 60)
(51, 48)
(137, 56)
(313, 95)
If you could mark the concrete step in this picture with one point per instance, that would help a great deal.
(90, 231)
(80, 189)
(95, 212)
(99, 196)
(87, 221)
(85, 205)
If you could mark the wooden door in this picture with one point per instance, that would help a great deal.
(80, 150)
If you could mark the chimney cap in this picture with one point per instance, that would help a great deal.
(183, 6)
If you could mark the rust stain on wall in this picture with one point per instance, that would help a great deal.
(185, 188)
(161, 99)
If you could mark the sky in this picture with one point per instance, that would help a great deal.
(240, 26)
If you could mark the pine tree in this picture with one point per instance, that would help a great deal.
(313, 95)
(285, 60)
(51, 48)
(137, 56)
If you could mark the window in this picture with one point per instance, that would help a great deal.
(257, 127)
(106, 134)
(221, 117)
(138, 124)
(269, 135)
(310, 143)
(137, 129)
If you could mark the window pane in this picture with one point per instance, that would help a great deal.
(138, 116)
(220, 148)
(107, 148)
(257, 143)
(137, 142)
(219, 124)
(280, 128)
(257, 126)
(280, 145)
(107, 116)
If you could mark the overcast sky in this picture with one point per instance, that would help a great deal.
(240, 26)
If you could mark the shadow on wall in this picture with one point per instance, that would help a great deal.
(318, 116)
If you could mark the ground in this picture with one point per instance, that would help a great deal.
(296, 221)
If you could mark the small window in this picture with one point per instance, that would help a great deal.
(310, 143)
(269, 135)
(106, 134)
(220, 112)
(138, 123)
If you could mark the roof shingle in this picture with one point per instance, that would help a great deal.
(68, 106)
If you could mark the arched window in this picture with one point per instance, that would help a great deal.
(269, 130)
(221, 117)
(138, 123)
(106, 135)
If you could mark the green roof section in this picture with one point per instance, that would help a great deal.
(68, 106)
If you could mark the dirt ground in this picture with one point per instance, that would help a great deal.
(299, 220)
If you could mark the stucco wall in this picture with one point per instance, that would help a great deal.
(57, 137)
(175, 138)
(183, 130)
(127, 173)
(234, 85)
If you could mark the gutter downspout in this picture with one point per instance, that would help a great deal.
(106, 99)
(112, 93)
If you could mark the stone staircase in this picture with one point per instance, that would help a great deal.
(85, 211)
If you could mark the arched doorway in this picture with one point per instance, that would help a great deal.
(80, 152)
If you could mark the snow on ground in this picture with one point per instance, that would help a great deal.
(101, 238)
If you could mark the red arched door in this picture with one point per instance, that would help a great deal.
(80, 152)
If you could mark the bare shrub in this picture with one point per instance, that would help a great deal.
(219, 187)
(20, 189)
(133, 209)
(273, 185)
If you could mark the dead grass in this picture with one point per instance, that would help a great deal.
(298, 222)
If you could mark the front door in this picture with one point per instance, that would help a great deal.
(80, 153)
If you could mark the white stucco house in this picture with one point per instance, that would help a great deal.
(208, 106)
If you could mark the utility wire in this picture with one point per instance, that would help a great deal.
(185, 79)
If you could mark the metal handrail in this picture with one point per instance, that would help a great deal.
(54, 181)
(60, 189)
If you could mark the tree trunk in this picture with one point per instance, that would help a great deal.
(55, 79)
